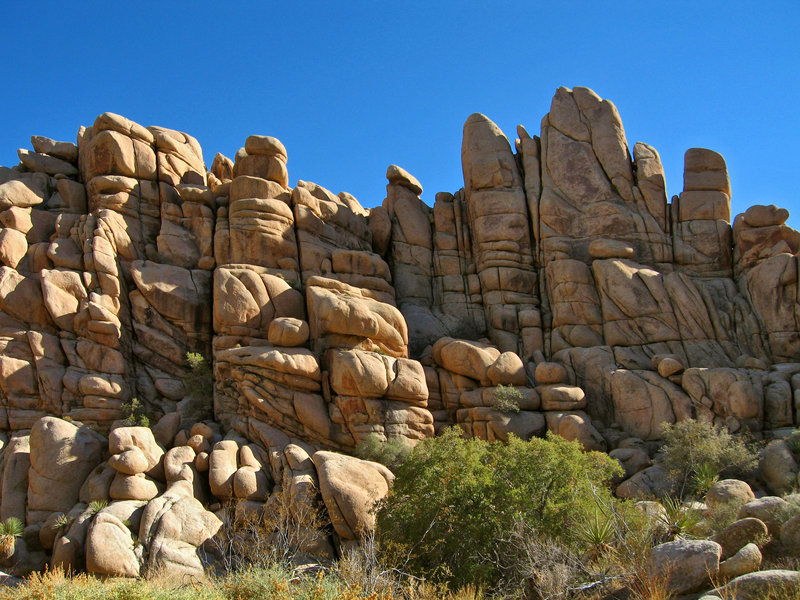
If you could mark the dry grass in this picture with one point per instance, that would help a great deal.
(254, 583)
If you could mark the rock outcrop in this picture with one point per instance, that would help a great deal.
(559, 290)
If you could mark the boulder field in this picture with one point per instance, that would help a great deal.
(560, 279)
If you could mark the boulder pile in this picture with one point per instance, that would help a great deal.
(265, 331)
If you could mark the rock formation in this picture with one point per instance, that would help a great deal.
(559, 279)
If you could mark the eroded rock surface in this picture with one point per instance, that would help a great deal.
(560, 289)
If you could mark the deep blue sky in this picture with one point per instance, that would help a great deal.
(352, 87)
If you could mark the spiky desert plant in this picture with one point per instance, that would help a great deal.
(703, 477)
(95, 506)
(597, 535)
(679, 519)
(10, 530)
(63, 522)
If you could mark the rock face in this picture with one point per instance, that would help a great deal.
(123, 253)
(560, 289)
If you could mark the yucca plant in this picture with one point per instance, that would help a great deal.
(63, 522)
(95, 506)
(10, 530)
(703, 477)
(597, 535)
(680, 520)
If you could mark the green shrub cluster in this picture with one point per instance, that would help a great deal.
(199, 385)
(200, 382)
(455, 500)
(391, 453)
(507, 398)
(696, 453)
(133, 414)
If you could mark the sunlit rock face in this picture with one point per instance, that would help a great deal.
(560, 281)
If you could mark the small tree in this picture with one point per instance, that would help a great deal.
(199, 384)
(693, 450)
(507, 398)
(134, 414)
(454, 499)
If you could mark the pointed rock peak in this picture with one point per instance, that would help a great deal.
(523, 133)
(399, 176)
(566, 117)
(477, 118)
(481, 135)
(642, 151)
(585, 96)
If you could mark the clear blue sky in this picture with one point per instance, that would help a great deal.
(351, 87)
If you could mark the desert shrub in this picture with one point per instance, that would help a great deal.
(133, 413)
(720, 516)
(703, 478)
(454, 499)
(680, 521)
(63, 522)
(535, 566)
(287, 527)
(507, 398)
(391, 453)
(693, 449)
(199, 384)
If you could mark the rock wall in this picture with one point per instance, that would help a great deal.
(560, 269)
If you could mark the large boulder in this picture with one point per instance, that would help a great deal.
(175, 527)
(350, 488)
(687, 565)
(17, 459)
(110, 548)
(69, 548)
(740, 533)
(344, 316)
(135, 448)
(729, 492)
(760, 585)
(62, 456)
(746, 560)
(772, 510)
(778, 467)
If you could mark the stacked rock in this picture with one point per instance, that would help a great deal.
(221, 172)
(138, 461)
(50, 157)
(563, 406)
(236, 471)
(703, 210)
(485, 390)
(262, 156)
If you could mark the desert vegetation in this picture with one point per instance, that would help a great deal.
(467, 519)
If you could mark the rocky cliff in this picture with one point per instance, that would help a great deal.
(561, 268)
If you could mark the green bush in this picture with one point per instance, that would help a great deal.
(454, 500)
(391, 453)
(507, 398)
(694, 449)
(134, 414)
(199, 384)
